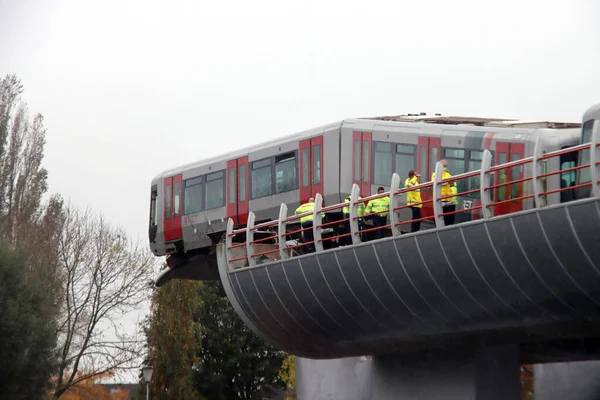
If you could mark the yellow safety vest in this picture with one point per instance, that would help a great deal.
(306, 207)
(360, 207)
(376, 205)
(413, 198)
(447, 187)
(454, 190)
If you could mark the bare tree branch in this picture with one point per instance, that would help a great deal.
(105, 277)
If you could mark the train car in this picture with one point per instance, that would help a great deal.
(190, 204)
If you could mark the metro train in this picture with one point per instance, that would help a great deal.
(191, 204)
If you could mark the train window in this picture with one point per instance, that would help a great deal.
(168, 202)
(176, 195)
(475, 158)
(404, 160)
(214, 189)
(454, 153)
(242, 181)
(366, 152)
(357, 160)
(389, 158)
(516, 174)
(383, 163)
(285, 173)
(433, 159)
(569, 178)
(261, 178)
(585, 175)
(317, 164)
(502, 159)
(231, 185)
(192, 195)
(305, 176)
(476, 155)
(456, 165)
(153, 205)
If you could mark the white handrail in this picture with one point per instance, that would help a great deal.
(250, 239)
(536, 169)
(228, 241)
(485, 194)
(317, 243)
(437, 193)
(354, 231)
(594, 158)
(281, 230)
(394, 218)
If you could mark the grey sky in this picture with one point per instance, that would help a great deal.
(130, 88)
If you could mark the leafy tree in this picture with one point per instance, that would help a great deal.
(23, 180)
(31, 286)
(27, 329)
(173, 337)
(234, 363)
(287, 374)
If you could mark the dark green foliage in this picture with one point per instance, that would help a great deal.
(30, 281)
(234, 363)
(27, 328)
(173, 338)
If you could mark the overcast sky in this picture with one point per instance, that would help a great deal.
(129, 88)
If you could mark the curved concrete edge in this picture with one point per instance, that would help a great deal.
(226, 282)
(223, 273)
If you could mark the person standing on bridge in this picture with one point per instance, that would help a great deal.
(448, 188)
(413, 199)
(380, 206)
(307, 223)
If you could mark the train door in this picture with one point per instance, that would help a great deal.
(428, 154)
(311, 168)
(237, 190)
(509, 152)
(172, 208)
(361, 162)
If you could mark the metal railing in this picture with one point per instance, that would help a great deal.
(284, 244)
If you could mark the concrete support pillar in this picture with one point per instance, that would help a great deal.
(489, 373)
(338, 379)
(568, 380)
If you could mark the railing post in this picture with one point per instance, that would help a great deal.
(228, 241)
(281, 231)
(536, 171)
(484, 193)
(353, 221)
(394, 187)
(250, 239)
(594, 158)
(316, 222)
(437, 193)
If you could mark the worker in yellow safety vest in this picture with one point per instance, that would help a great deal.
(413, 199)
(360, 208)
(307, 222)
(380, 206)
(448, 188)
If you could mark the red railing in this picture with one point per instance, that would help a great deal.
(318, 233)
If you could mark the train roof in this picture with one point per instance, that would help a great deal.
(436, 119)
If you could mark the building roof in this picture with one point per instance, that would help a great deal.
(477, 121)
